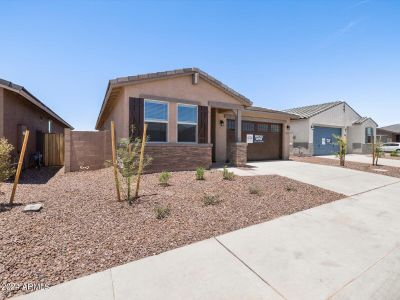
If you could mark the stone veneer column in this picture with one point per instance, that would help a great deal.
(238, 154)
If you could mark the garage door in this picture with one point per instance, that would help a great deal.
(264, 139)
(324, 142)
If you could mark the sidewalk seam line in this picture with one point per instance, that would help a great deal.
(112, 284)
(363, 272)
(248, 267)
(377, 188)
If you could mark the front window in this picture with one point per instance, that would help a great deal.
(369, 135)
(187, 123)
(156, 116)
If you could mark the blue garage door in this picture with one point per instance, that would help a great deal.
(324, 142)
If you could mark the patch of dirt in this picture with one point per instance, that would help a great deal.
(82, 229)
(383, 170)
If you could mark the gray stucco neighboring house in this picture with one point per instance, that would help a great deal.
(313, 133)
(388, 134)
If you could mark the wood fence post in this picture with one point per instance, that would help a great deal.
(20, 163)
(141, 160)
(114, 159)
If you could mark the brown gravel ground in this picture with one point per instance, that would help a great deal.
(386, 170)
(82, 229)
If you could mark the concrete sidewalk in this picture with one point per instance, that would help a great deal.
(348, 249)
(367, 159)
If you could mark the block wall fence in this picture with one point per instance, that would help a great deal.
(90, 150)
(86, 150)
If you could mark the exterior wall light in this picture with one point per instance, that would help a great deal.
(221, 123)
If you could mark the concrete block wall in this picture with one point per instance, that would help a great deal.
(86, 150)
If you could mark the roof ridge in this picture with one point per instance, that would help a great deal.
(308, 111)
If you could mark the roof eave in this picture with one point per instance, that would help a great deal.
(123, 81)
(35, 101)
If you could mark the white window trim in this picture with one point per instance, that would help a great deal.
(187, 123)
(156, 120)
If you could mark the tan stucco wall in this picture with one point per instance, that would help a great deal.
(177, 88)
(119, 113)
(220, 138)
(181, 88)
(19, 111)
(172, 90)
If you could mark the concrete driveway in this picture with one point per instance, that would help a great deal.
(346, 181)
(367, 159)
(348, 249)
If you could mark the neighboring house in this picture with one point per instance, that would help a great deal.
(312, 133)
(193, 119)
(20, 110)
(388, 134)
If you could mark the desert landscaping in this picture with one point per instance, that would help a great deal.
(82, 229)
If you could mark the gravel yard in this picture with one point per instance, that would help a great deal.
(383, 170)
(82, 229)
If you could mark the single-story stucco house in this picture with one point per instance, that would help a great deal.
(20, 110)
(193, 120)
(312, 133)
(388, 134)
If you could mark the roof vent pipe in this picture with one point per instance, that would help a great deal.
(195, 78)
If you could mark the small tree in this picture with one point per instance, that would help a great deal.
(128, 155)
(6, 168)
(342, 143)
(377, 152)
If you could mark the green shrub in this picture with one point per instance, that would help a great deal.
(341, 141)
(162, 212)
(128, 156)
(200, 173)
(210, 200)
(255, 190)
(394, 154)
(164, 178)
(227, 175)
(6, 169)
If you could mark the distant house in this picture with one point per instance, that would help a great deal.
(20, 110)
(313, 132)
(388, 134)
(193, 119)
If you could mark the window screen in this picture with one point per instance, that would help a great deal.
(156, 116)
(155, 111)
(187, 123)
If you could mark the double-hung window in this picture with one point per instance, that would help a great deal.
(369, 135)
(156, 116)
(187, 123)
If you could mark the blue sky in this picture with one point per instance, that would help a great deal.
(280, 54)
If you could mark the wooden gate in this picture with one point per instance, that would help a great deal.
(53, 149)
